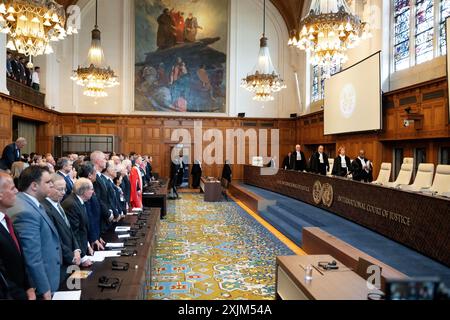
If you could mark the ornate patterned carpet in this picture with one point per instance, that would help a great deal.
(210, 251)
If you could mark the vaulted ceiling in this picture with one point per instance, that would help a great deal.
(290, 10)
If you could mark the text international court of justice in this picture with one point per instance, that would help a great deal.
(261, 151)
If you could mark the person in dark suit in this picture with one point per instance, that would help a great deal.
(108, 176)
(15, 64)
(93, 209)
(76, 212)
(36, 233)
(196, 174)
(342, 166)
(227, 173)
(148, 168)
(98, 159)
(126, 185)
(174, 169)
(362, 168)
(12, 265)
(71, 252)
(65, 167)
(298, 159)
(287, 164)
(319, 162)
(180, 174)
(11, 153)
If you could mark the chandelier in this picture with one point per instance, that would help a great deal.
(32, 24)
(264, 80)
(96, 77)
(328, 31)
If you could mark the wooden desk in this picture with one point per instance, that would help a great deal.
(133, 281)
(418, 221)
(341, 284)
(155, 196)
(212, 190)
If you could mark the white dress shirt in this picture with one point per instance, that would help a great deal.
(299, 156)
(35, 78)
(365, 165)
(321, 157)
(343, 162)
(3, 221)
(35, 201)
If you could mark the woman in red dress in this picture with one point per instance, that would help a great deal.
(136, 185)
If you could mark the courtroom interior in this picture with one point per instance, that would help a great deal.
(224, 150)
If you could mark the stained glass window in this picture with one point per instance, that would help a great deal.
(402, 15)
(318, 81)
(424, 30)
(444, 14)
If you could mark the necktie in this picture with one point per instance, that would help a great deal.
(11, 232)
(63, 215)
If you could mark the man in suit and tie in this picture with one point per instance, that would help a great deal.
(126, 184)
(12, 264)
(11, 153)
(298, 159)
(93, 209)
(36, 232)
(71, 252)
(75, 208)
(98, 159)
(319, 162)
(108, 175)
(65, 167)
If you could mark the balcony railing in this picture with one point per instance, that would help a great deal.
(25, 94)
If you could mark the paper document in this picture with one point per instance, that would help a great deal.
(123, 229)
(67, 295)
(124, 236)
(114, 245)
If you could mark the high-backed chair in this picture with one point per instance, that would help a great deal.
(330, 169)
(408, 161)
(424, 178)
(385, 174)
(404, 176)
(441, 183)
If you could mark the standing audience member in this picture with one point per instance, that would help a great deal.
(24, 72)
(16, 170)
(35, 82)
(12, 264)
(9, 68)
(101, 190)
(37, 233)
(15, 64)
(11, 153)
(109, 174)
(148, 168)
(93, 209)
(71, 253)
(136, 185)
(75, 209)
(65, 170)
(120, 195)
(126, 186)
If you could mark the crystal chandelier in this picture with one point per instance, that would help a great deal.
(32, 24)
(328, 31)
(96, 77)
(264, 80)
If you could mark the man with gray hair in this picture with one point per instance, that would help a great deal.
(11, 153)
(98, 159)
(75, 208)
(52, 204)
(65, 166)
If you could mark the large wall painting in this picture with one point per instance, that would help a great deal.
(181, 55)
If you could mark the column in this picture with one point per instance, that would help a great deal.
(3, 88)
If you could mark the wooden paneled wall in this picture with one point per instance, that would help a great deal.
(152, 135)
(427, 101)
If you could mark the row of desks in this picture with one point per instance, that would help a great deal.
(133, 282)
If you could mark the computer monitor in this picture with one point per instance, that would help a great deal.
(412, 289)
